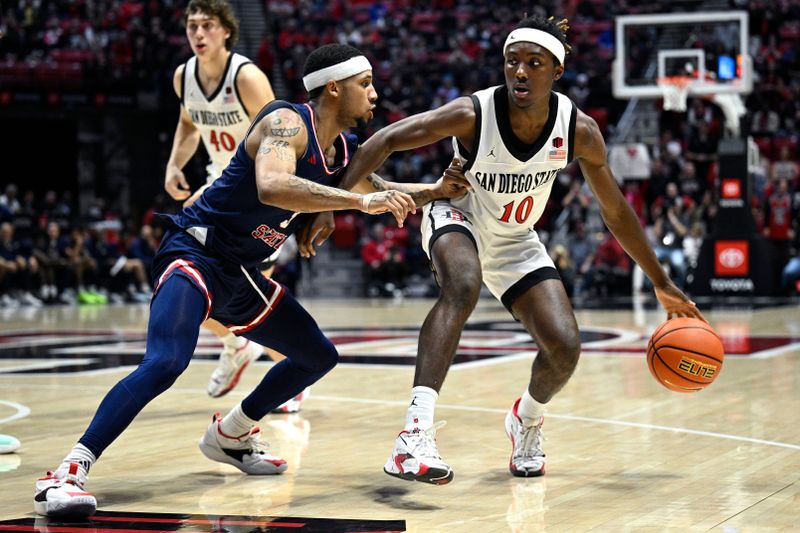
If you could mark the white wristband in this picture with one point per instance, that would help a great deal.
(365, 202)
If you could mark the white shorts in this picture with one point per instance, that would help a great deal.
(510, 265)
(213, 172)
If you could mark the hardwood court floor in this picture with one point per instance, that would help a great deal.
(623, 453)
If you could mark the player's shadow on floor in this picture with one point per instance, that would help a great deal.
(495, 476)
(398, 498)
(135, 492)
(130, 495)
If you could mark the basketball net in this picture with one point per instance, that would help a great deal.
(675, 90)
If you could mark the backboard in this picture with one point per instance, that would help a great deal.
(710, 48)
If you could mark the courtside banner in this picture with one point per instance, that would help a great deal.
(731, 258)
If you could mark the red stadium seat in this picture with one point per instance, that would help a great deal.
(70, 75)
(791, 142)
(764, 146)
(347, 231)
(16, 74)
(600, 116)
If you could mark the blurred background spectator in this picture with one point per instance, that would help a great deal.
(96, 75)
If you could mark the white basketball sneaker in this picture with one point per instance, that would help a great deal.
(232, 362)
(61, 493)
(416, 458)
(293, 405)
(527, 457)
(8, 444)
(246, 452)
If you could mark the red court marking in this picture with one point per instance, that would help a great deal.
(88, 529)
(203, 521)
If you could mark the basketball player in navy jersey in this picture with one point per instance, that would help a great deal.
(288, 165)
(221, 92)
(511, 141)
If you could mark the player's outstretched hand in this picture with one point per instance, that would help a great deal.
(175, 183)
(398, 203)
(314, 232)
(677, 303)
(454, 183)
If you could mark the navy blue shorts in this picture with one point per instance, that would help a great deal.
(241, 299)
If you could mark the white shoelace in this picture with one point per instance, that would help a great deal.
(530, 445)
(424, 441)
(225, 364)
(256, 444)
(228, 361)
(78, 479)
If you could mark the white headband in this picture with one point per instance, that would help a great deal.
(542, 38)
(339, 71)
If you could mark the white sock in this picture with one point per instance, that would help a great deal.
(237, 423)
(420, 411)
(232, 341)
(529, 410)
(81, 455)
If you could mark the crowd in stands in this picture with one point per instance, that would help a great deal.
(105, 45)
(51, 254)
(425, 54)
(418, 66)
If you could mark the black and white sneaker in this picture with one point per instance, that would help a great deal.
(246, 452)
(415, 457)
(61, 493)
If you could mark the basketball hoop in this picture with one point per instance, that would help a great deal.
(674, 91)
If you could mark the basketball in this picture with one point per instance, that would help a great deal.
(685, 354)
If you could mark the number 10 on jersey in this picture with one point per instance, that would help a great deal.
(521, 213)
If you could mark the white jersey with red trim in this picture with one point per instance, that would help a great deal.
(511, 181)
(221, 116)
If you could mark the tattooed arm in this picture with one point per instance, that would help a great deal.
(276, 143)
(456, 118)
(453, 184)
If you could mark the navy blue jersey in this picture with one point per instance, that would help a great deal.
(229, 218)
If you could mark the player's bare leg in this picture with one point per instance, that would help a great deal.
(415, 455)
(547, 314)
(458, 272)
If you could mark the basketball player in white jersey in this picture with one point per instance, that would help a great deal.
(510, 141)
(220, 93)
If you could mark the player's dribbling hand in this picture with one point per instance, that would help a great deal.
(175, 183)
(315, 232)
(453, 183)
(397, 203)
(676, 303)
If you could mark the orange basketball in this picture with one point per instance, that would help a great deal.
(685, 354)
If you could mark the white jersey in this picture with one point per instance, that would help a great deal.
(220, 117)
(511, 181)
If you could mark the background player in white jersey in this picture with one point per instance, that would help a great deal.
(511, 141)
(220, 93)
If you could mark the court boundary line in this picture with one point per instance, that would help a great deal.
(22, 411)
(493, 410)
(588, 419)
